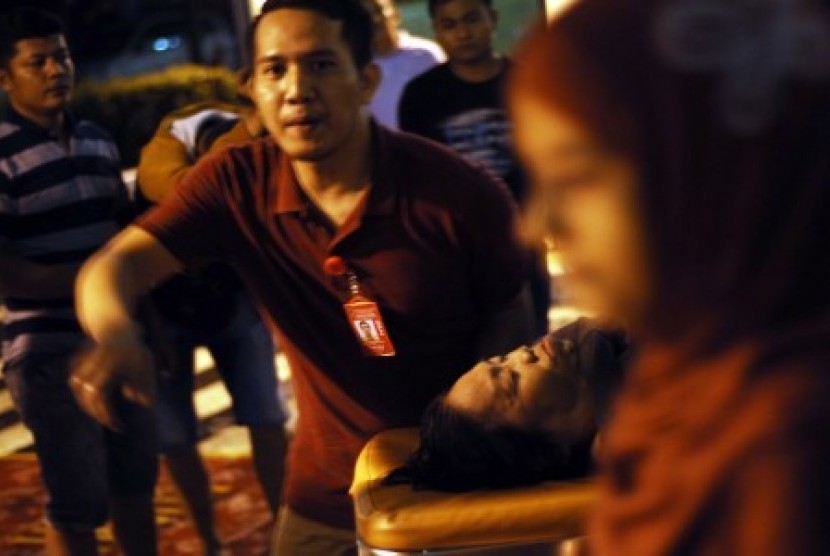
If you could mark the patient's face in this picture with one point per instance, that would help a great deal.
(531, 388)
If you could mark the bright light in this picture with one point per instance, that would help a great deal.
(556, 7)
(162, 44)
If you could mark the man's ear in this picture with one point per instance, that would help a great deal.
(396, 16)
(494, 15)
(370, 77)
(245, 87)
(5, 80)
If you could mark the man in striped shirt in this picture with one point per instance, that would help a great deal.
(61, 196)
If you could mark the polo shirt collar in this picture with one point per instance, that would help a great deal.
(382, 191)
(289, 196)
(18, 119)
(384, 185)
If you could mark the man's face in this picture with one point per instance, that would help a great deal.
(386, 19)
(306, 85)
(464, 28)
(39, 77)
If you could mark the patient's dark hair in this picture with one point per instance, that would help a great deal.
(458, 453)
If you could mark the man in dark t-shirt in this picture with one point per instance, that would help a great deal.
(330, 220)
(460, 104)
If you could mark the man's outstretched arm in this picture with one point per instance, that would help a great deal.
(108, 288)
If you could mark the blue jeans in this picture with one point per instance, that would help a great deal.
(83, 464)
(244, 355)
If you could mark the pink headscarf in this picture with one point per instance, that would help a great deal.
(724, 106)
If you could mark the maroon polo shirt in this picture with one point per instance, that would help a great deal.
(432, 243)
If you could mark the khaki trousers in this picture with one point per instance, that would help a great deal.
(295, 535)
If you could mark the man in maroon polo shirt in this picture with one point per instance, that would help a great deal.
(331, 220)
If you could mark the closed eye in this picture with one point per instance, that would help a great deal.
(497, 359)
(505, 384)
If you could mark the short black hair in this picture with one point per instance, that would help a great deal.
(458, 453)
(358, 27)
(433, 5)
(25, 23)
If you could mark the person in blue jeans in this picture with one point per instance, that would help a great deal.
(61, 199)
(210, 308)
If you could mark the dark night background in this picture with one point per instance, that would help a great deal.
(137, 60)
(97, 29)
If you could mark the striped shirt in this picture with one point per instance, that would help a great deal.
(59, 203)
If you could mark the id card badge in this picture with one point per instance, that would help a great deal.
(362, 313)
(367, 323)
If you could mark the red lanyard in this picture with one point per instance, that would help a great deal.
(362, 313)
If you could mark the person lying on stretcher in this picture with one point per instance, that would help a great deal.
(520, 419)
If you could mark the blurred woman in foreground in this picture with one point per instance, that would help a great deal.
(681, 157)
